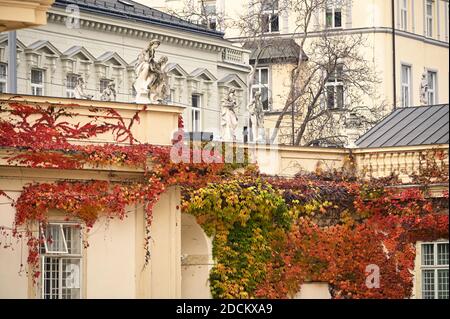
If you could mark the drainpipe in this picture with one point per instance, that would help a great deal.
(394, 56)
(12, 62)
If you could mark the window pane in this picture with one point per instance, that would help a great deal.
(71, 81)
(73, 239)
(442, 275)
(428, 284)
(195, 101)
(36, 76)
(330, 97)
(337, 19)
(265, 98)
(71, 278)
(50, 278)
(340, 96)
(274, 23)
(427, 254)
(3, 70)
(54, 239)
(104, 85)
(405, 74)
(329, 18)
(264, 76)
(442, 254)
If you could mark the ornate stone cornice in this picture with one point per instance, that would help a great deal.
(86, 23)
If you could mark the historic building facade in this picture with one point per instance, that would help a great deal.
(100, 42)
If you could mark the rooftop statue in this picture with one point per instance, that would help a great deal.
(256, 113)
(229, 118)
(109, 94)
(424, 89)
(151, 80)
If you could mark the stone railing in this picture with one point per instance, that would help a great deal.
(232, 56)
(401, 161)
(381, 162)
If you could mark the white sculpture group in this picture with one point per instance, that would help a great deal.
(151, 84)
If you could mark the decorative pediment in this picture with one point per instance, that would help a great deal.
(202, 74)
(78, 53)
(43, 46)
(111, 58)
(77, 60)
(232, 80)
(176, 69)
(4, 45)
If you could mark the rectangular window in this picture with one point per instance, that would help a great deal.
(335, 89)
(71, 83)
(196, 113)
(404, 14)
(432, 86)
(270, 17)
(434, 269)
(429, 18)
(406, 86)
(61, 257)
(261, 85)
(37, 82)
(209, 12)
(104, 84)
(3, 77)
(333, 14)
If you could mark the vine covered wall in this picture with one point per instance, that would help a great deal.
(270, 234)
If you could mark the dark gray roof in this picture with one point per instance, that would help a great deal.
(274, 50)
(131, 10)
(423, 125)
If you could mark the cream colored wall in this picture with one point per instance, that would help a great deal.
(197, 260)
(12, 283)
(114, 262)
(15, 14)
(313, 290)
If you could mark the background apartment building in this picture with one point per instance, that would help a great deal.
(406, 42)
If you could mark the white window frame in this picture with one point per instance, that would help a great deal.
(196, 126)
(432, 97)
(333, 7)
(335, 84)
(271, 13)
(446, 17)
(435, 267)
(58, 257)
(4, 80)
(404, 14)
(36, 86)
(429, 18)
(406, 86)
(258, 86)
(70, 92)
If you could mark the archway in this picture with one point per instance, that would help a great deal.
(196, 259)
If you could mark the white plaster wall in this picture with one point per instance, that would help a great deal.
(196, 247)
(313, 290)
(12, 284)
